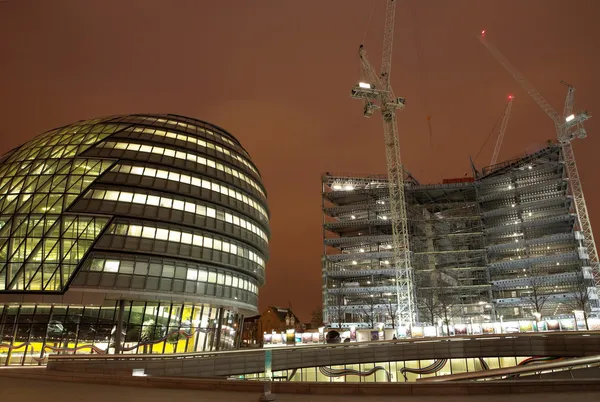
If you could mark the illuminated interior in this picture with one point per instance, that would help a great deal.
(154, 225)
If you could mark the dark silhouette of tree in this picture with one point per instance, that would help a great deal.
(427, 298)
(391, 308)
(339, 309)
(369, 312)
(317, 317)
(537, 289)
(579, 298)
(428, 304)
(447, 300)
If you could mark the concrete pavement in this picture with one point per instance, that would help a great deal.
(30, 390)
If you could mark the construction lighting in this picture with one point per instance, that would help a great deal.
(569, 118)
(337, 187)
(354, 262)
(529, 167)
(352, 217)
(364, 85)
(512, 205)
(349, 187)
(384, 217)
(362, 250)
(386, 262)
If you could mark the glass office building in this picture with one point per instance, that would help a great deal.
(129, 234)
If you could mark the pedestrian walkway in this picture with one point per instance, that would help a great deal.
(29, 390)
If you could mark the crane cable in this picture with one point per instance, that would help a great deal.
(422, 72)
(490, 134)
(369, 22)
(361, 72)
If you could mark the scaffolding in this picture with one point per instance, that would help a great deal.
(537, 262)
(501, 244)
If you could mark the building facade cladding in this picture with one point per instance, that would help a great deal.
(504, 245)
(128, 234)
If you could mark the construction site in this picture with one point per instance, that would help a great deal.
(511, 241)
(503, 243)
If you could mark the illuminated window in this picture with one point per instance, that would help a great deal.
(162, 234)
(192, 274)
(134, 231)
(148, 232)
(178, 205)
(186, 238)
(111, 266)
(196, 182)
(176, 236)
(187, 156)
(139, 198)
(125, 197)
(153, 200)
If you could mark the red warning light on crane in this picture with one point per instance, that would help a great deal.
(510, 96)
(483, 33)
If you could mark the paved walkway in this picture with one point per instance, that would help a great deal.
(25, 390)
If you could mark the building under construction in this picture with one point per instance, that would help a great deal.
(501, 244)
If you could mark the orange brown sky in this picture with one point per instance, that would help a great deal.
(277, 75)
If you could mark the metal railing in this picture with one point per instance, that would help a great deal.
(482, 337)
(504, 372)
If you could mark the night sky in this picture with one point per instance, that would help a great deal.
(277, 75)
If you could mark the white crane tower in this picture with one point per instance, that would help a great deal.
(502, 130)
(376, 92)
(568, 127)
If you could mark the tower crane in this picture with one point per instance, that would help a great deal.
(502, 130)
(376, 92)
(568, 127)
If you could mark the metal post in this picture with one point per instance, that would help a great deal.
(240, 331)
(118, 333)
(267, 395)
(219, 327)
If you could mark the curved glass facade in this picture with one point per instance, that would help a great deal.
(126, 233)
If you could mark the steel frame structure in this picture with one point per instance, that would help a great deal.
(376, 93)
(503, 245)
(568, 127)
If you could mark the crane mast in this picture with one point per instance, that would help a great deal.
(502, 130)
(376, 92)
(568, 127)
